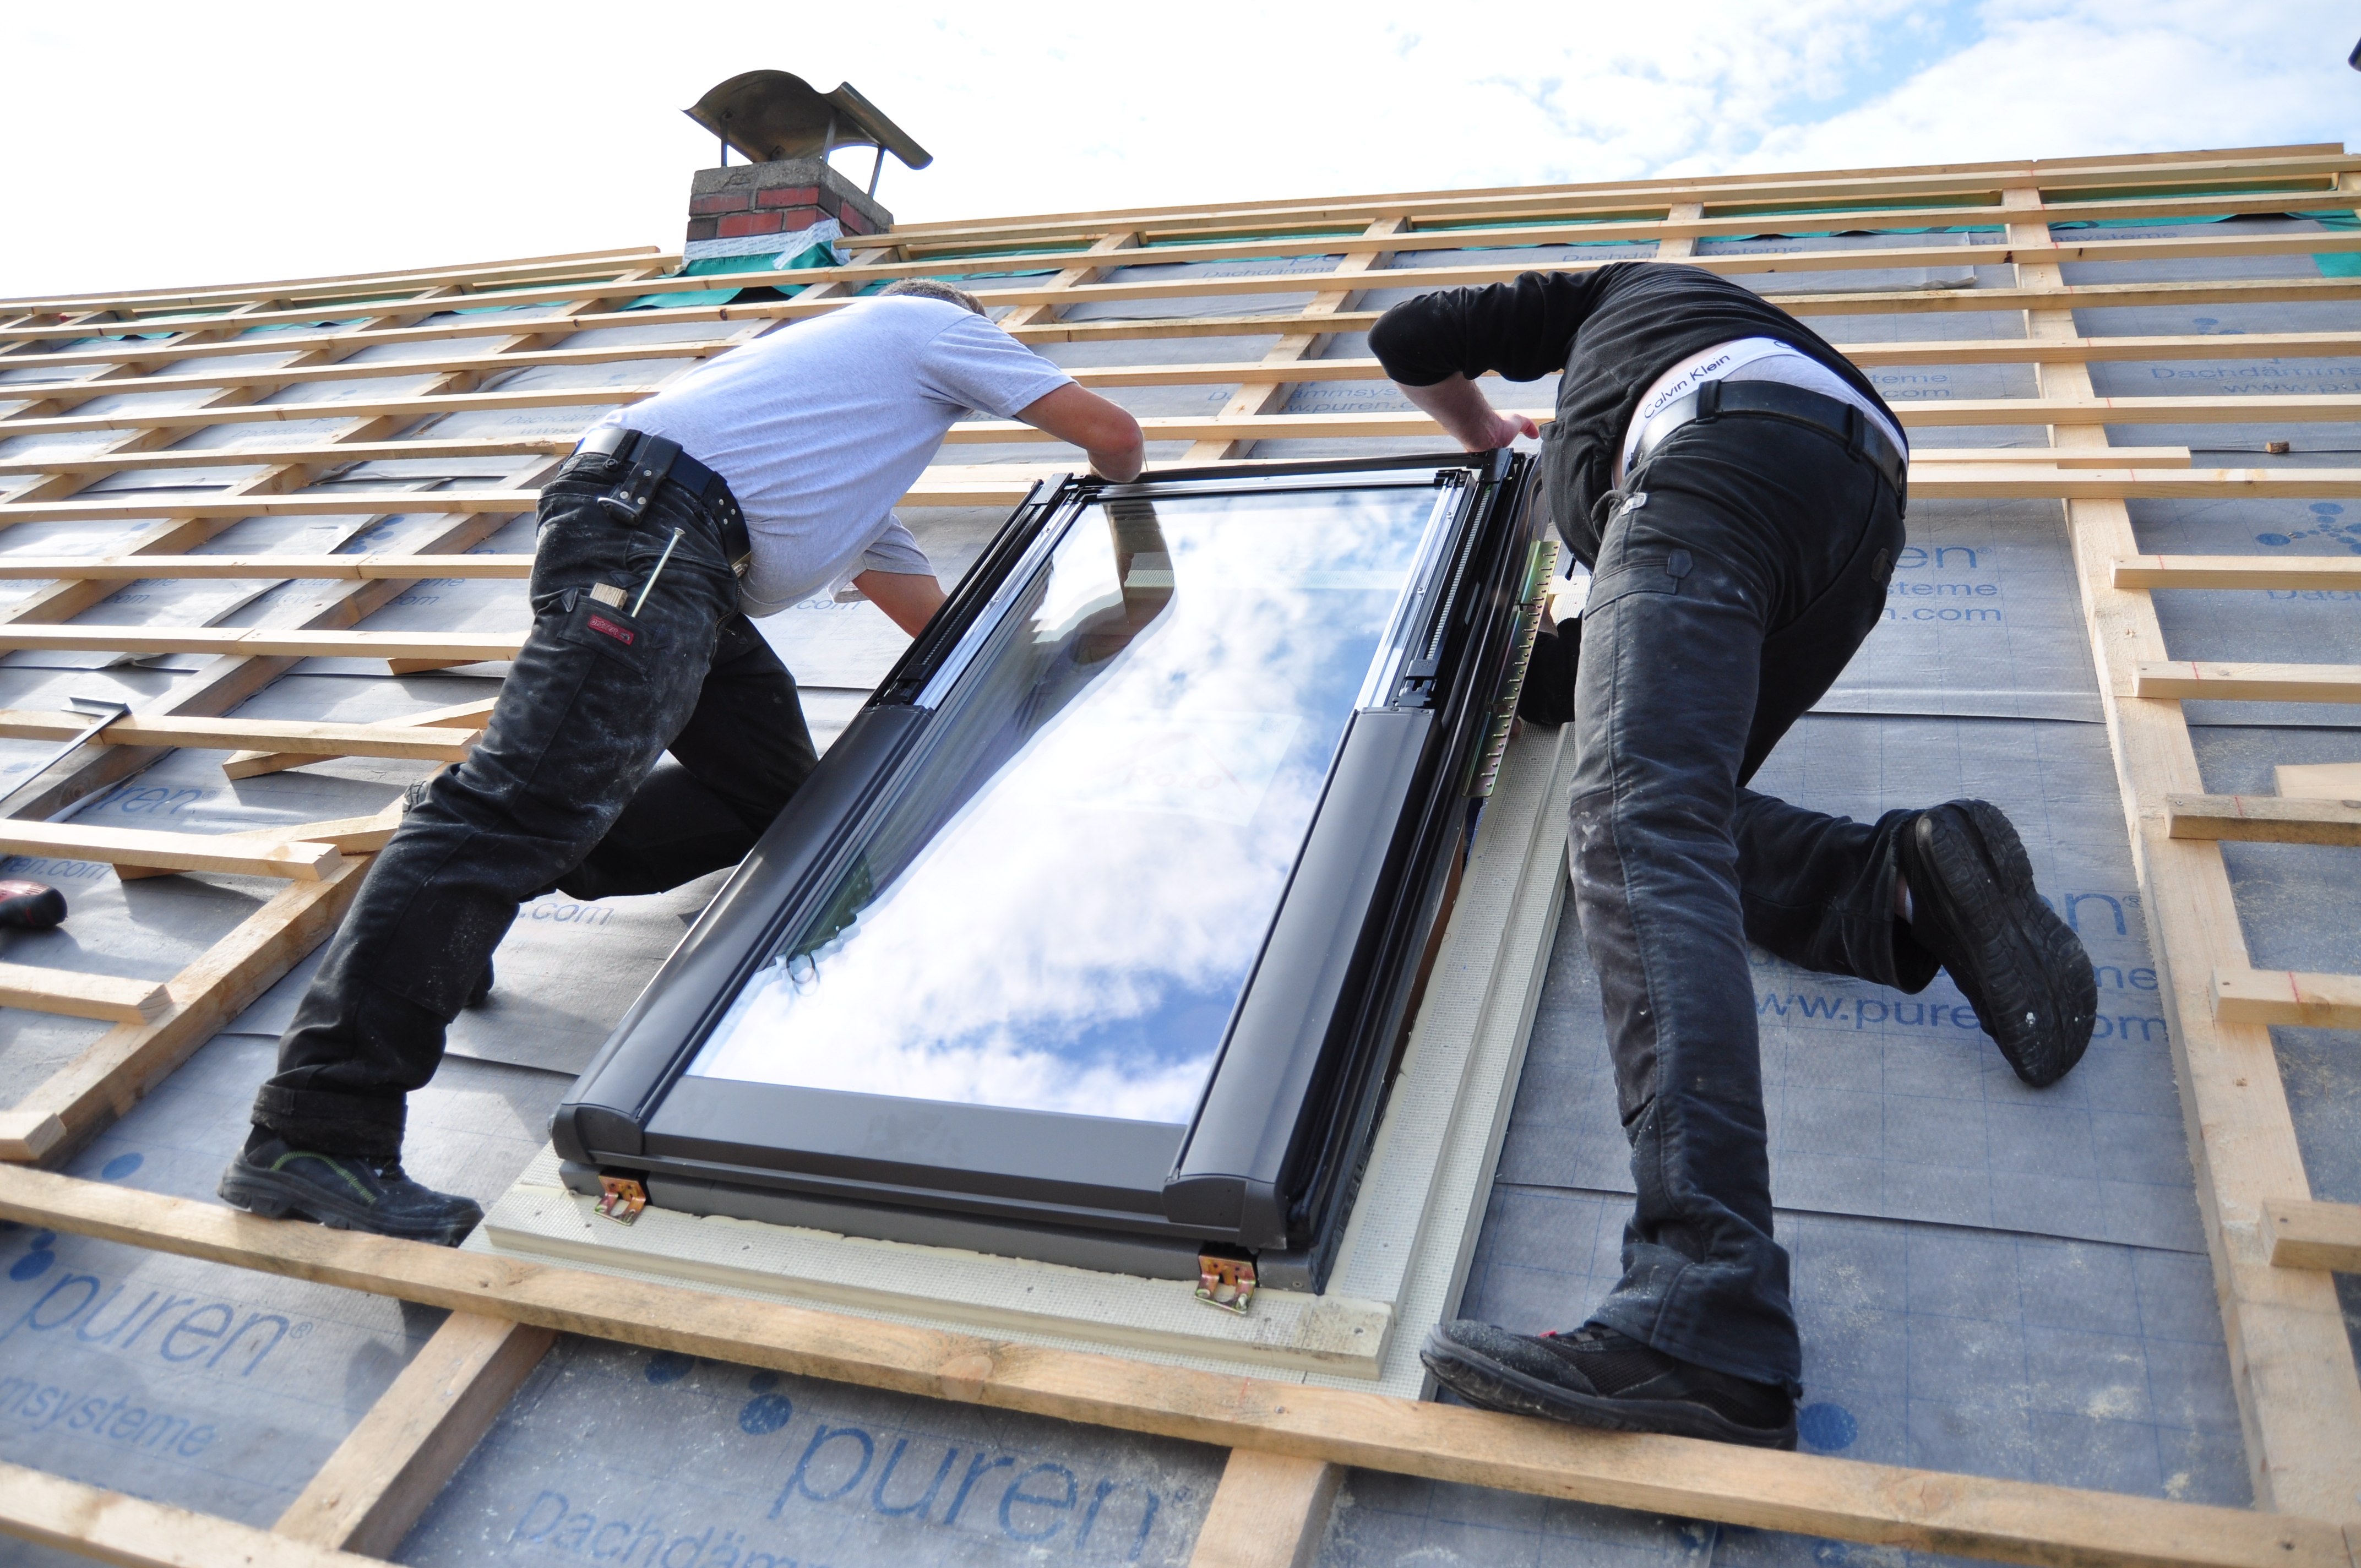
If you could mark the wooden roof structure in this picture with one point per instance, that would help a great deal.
(2273, 1248)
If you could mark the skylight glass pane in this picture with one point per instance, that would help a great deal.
(1058, 909)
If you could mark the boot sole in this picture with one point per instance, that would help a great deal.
(1482, 1381)
(272, 1195)
(2029, 980)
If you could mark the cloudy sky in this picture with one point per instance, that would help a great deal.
(155, 145)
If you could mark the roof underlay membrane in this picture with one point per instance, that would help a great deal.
(2074, 1287)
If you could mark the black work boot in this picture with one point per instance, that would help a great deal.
(2020, 966)
(483, 991)
(1597, 1377)
(344, 1193)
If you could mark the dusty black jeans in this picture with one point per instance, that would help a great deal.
(564, 790)
(1747, 565)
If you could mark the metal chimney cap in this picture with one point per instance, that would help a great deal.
(774, 114)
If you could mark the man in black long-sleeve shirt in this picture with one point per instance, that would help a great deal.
(1736, 487)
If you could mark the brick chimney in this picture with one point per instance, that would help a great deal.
(749, 201)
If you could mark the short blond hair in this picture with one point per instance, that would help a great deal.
(936, 288)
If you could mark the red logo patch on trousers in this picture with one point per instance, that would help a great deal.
(622, 634)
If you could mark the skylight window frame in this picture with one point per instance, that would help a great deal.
(1325, 1008)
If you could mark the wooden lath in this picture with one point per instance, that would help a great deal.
(1867, 188)
(1227, 427)
(2261, 409)
(951, 483)
(474, 277)
(1677, 221)
(2219, 346)
(2270, 1242)
(69, 394)
(1963, 253)
(1867, 303)
(1884, 1504)
(133, 568)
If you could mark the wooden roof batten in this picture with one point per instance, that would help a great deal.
(1405, 237)
(1929, 178)
(2272, 1244)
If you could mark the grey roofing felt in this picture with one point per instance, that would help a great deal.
(1990, 1279)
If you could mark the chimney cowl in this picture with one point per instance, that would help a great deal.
(773, 116)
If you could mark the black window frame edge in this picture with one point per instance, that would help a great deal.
(1293, 1187)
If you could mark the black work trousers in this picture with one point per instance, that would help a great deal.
(564, 789)
(1745, 564)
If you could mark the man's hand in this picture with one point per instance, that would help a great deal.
(1461, 407)
(1101, 428)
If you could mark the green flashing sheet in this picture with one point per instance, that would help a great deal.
(800, 253)
(2343, 264)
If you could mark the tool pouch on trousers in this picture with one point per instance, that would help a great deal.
(611, 631)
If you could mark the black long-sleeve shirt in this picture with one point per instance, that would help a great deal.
(1612, 330)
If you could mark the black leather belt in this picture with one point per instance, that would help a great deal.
(653, 459)
(1797, 405)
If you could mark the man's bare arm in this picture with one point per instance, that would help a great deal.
(1110, 435)
(1461, 407)
(908, 598)
(1101, 428)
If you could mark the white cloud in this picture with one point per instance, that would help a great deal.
(2094, 76)
(151, 144)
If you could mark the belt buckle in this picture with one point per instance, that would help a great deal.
(605, 441)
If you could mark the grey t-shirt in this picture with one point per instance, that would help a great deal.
(822, 426)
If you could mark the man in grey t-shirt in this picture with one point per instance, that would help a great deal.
(761, 478)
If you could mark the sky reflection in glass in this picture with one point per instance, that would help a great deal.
(1059, 909)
